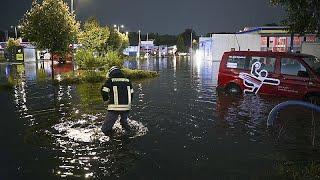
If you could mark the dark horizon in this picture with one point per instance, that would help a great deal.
(204, 16)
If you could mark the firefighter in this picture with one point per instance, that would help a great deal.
(117, 93)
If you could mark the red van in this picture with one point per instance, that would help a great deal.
(270, 73)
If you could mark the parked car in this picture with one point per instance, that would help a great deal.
(270, 73)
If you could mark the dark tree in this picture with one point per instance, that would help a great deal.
(187, 37)
(303, 16)
(181, 45)
(159, 39)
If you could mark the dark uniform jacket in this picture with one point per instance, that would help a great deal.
(118, 91)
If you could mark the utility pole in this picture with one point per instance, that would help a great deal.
(71, 6)
(72, 46)
(15, 31)
(191, 38)
(147, 53)
(138, 52)
(6, 35)
(291, 42)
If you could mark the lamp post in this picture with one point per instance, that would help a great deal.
(71, 6)
(138, 52)
(72, 46)
(15, 30)
(117, 27)
(191, 39)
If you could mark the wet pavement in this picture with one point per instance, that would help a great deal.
(182, 128)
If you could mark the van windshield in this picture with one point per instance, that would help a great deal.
(314, 63)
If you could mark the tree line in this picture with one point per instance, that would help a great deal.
(50, 25)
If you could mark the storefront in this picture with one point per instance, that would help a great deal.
(278, 38)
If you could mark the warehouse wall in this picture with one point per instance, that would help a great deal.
(227, 42)
(311, 48)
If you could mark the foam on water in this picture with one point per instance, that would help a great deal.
(88, 130)
(83, 139)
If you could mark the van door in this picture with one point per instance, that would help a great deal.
(260, 78)
(266, 73)
(294, 78)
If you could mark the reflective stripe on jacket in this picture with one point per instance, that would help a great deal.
(118, 91)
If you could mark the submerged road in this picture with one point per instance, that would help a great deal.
(183, 129)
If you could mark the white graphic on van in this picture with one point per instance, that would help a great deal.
(256, 79)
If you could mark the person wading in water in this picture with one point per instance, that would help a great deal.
(117, 91)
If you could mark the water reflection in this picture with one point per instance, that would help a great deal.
(85, 150)
(180, 125)
(154, 64)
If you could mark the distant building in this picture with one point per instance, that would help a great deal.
(205, 47)
(221, 43)
(273, 38)
(25, 52)
(146, 46)
(172, 50)
(311, 48)
(131, 51)
(278, 38)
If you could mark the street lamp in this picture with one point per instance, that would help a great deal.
(191, 40)
(138, 52)
(71, 6)
(117, 27)
(15, 30)
(73, 63)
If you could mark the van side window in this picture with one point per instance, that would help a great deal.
(291, 67)
(267, 63)
(237, 62)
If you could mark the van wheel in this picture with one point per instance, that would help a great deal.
(233, 89)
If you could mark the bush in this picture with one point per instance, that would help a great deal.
(12, 44)
(139, 74)
(90, 76)
(113, 59)
(87, 60)
(299, 170)
(41, 75)
(93, 76)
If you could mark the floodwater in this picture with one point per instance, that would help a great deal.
(182, 129)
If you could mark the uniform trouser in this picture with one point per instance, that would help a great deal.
(112, 117)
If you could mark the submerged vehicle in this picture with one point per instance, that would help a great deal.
(270, 73)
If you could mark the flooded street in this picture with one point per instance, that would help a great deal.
(182, 129)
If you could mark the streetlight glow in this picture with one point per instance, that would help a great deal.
(118, 27)
(15, 30)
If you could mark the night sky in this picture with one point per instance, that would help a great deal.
(163, 16)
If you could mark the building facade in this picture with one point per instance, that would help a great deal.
(278, 38)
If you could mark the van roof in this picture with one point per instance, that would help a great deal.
(266, 53)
